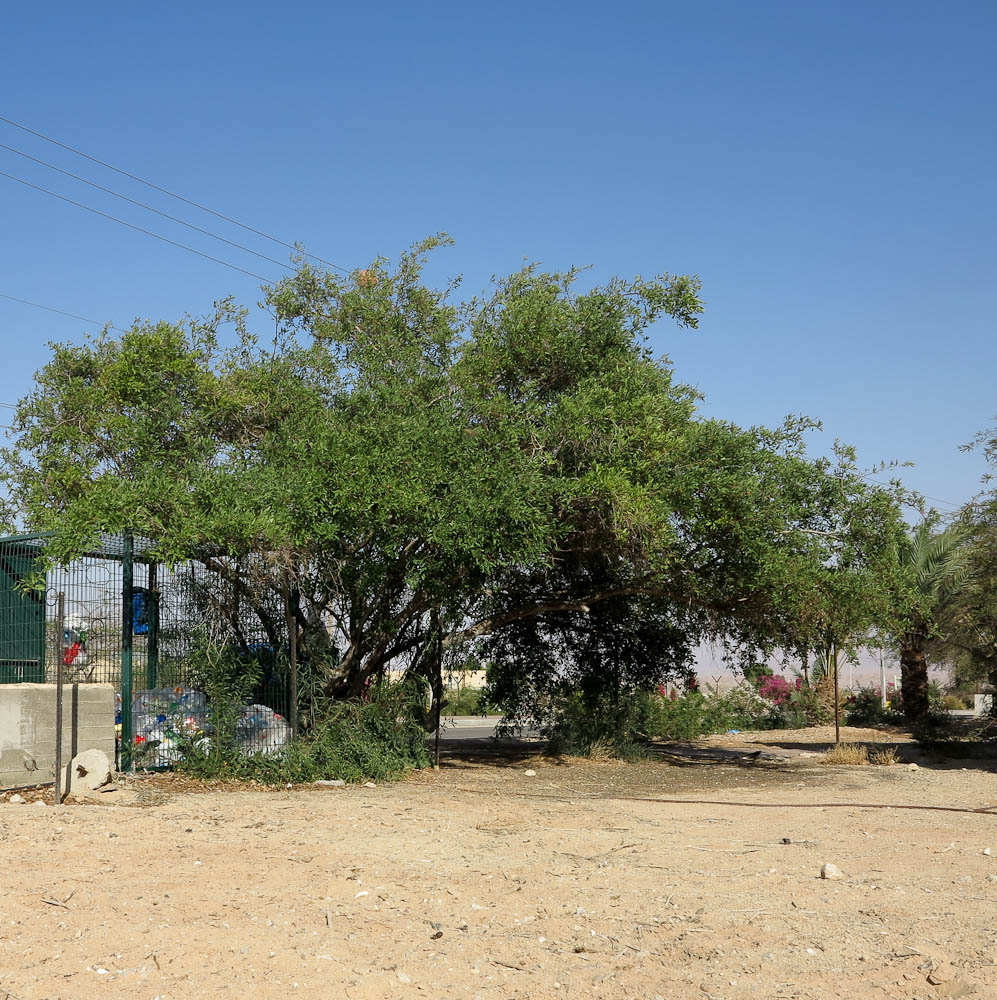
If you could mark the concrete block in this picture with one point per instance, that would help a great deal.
(27, 728)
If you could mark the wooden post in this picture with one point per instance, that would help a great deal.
(59, 654)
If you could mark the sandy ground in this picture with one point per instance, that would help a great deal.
(482, 881)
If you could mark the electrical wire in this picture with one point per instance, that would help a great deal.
(172, 194)
(148, 208)
(948, 503)
(139, 229)
(61, 312)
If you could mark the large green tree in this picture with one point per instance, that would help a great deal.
(425, 473)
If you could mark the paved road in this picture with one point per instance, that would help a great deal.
(468, 727)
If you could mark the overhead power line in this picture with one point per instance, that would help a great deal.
(948, 503)
(148, 208)
(172, 194)
(138, 229)
(61, 312)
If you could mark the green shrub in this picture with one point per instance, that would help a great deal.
(621, 726)
(601, 726)
(805, 707)
(694, 715)
(468, 701)
(377, 740)
(865, 708)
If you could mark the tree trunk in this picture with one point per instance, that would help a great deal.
(914, 683)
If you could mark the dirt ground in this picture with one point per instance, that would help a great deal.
(674, 878)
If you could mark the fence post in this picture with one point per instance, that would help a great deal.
(837, 704)
(437, 641)
(127, 570)
(59, 642)
(292, 654)
(152, 647)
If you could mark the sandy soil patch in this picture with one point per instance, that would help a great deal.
(481, 881)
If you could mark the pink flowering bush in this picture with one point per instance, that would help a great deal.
(777, 689)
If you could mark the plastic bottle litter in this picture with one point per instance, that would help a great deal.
(165, 719)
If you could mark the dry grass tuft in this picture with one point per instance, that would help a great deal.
(846, 753)
(884, 756)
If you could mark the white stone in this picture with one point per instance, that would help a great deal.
(531, 774)
(330, 783)
(830, 871)
(88, 771)
(16, 799)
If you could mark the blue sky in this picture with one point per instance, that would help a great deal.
(827, 169)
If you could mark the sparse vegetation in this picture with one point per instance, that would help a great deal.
(846, 753)
(884, 756)
(377, 740)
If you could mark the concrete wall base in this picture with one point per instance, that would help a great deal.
(27, 729)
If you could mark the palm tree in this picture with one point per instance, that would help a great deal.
(936, 569)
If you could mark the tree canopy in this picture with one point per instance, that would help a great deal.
(517, 470)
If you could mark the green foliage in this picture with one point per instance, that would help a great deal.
(604, 727)
(805, 706)
(468, 701)
(228, 681)
(622, 727)
(517, 470)
(694, 715)
(378, 740)
(936, 573)
(755, 673)
(865, 708)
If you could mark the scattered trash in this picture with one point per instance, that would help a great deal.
(912, 767)
(987, 851)
(164, 720)
(330, 783)
(16, 799)
(262, 730)
(369, 784)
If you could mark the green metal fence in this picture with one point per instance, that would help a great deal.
(129, 621)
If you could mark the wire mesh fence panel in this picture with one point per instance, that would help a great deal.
(206, 649)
